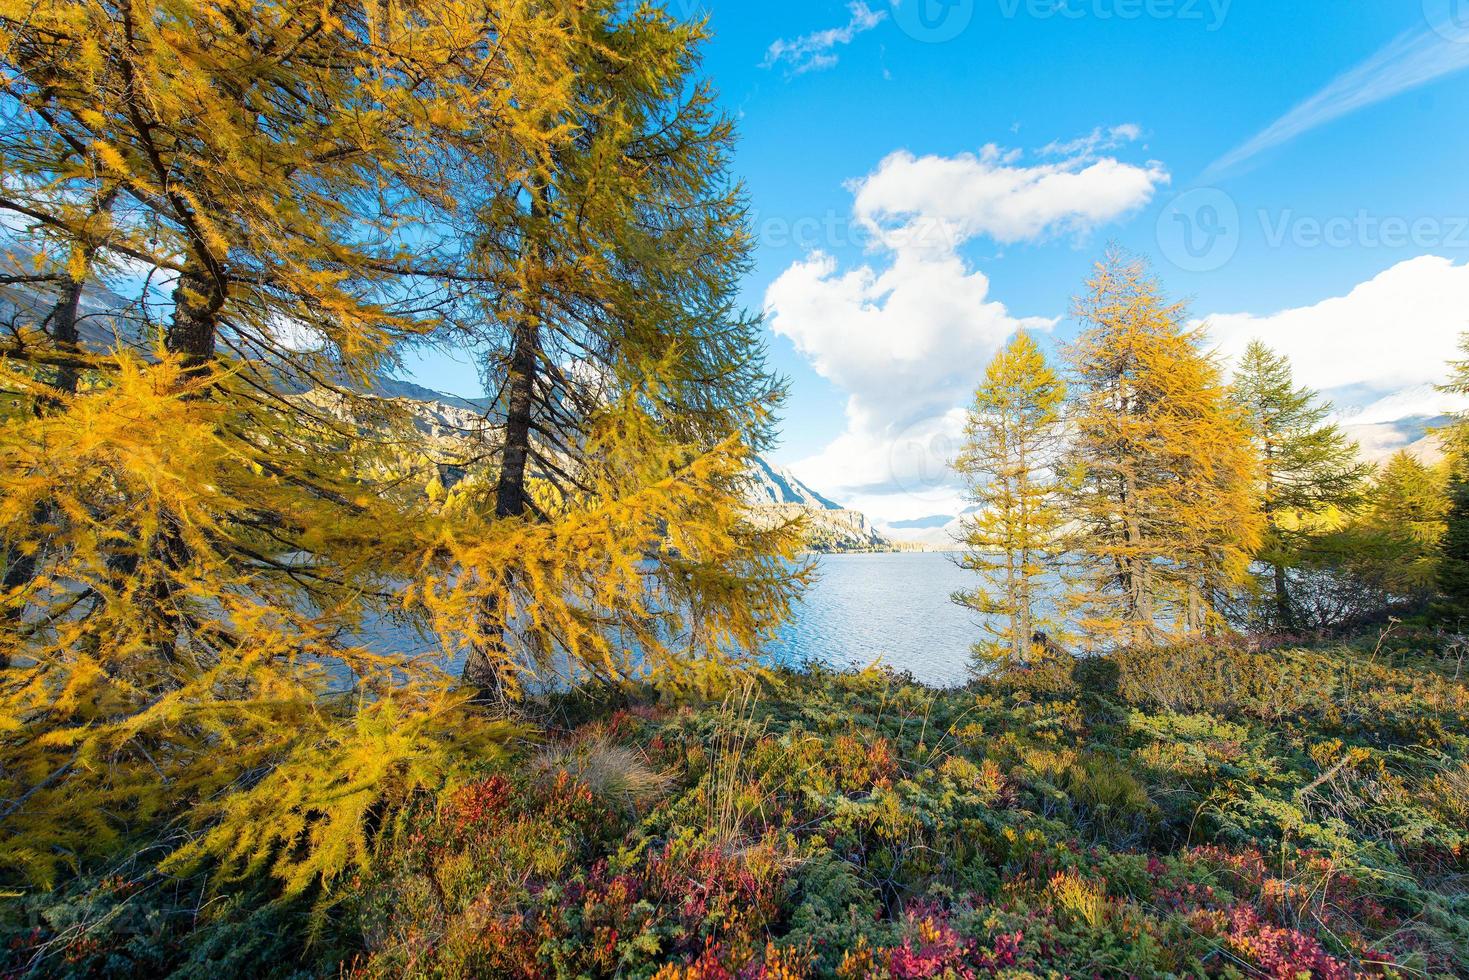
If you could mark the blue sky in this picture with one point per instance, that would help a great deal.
(922, 187)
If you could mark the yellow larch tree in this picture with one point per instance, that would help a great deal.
(201, 554)
(1012, 440)
(620, 360)
(1163, 510)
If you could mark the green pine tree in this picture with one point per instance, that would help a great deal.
(1308, 466)
(1409, 507)
(1453, 558)
(1453, 565)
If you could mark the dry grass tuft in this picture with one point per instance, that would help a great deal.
(617, 774)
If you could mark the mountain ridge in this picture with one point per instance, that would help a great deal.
(774, 493)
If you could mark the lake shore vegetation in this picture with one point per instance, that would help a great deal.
(303, 678)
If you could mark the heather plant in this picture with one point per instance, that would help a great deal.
(888, 830)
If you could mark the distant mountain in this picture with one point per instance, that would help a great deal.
(107, 320)
(779, 495)
(773, 490)
(385, 387)
(773, 484)
(942, 532)
(98, 325)
(922, 524)
(1381, 440)
(775, 494)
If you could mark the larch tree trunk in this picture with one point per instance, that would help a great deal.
(487, 665)
(198, 299)
(62, 325)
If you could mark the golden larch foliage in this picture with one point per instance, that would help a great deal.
(1164, 511)
(1010, 461)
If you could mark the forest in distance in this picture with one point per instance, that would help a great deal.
(1217, 722)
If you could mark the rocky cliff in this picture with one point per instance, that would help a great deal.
(777, 495)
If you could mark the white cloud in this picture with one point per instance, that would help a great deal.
(1377, 353)
(1413, 59)
(1417, 402)
(1395, 331)
(905, 344)
(946, 200)
(814, 52)
(907, 337)
(1097, 141)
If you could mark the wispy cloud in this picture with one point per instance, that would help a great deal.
(815, 52)
(1097, 141)
(1414, 59)
(905, 333)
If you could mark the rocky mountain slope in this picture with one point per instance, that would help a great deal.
(774, 492)
(779, 495)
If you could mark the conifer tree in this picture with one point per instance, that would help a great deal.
(60, 326)
(1165, 518)
(616, 260)
(316, 184)
(1453, 558)
(1453, 565)
(1308, 466)
(1409, 504)
(1009, 459)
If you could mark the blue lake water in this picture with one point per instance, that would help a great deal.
(894, 609)
(890, 608)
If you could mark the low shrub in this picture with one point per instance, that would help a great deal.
(1167, 813)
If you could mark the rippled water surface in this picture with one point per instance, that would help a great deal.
(893, 608)
(863, 608)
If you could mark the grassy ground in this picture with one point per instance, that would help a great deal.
(1194, 812)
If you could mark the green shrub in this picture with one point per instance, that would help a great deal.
(1184, 812)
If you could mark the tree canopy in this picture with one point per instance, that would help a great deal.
(1165, 518)
(230, 565)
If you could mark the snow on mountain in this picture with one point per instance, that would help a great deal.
(1379, 441)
